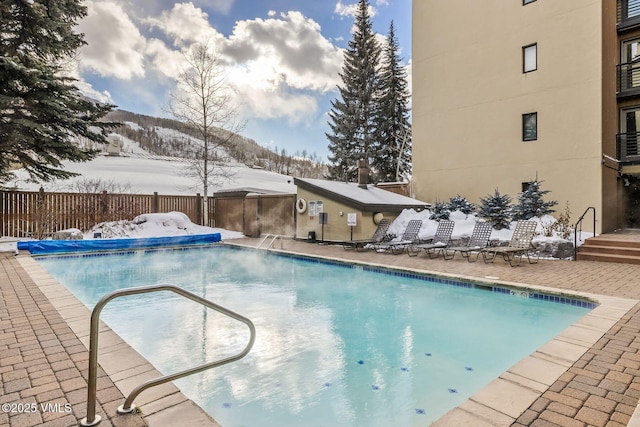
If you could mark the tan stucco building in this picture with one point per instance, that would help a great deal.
(352, 210)
(505, 92)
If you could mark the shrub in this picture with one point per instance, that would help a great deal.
(530, 203)
(496, 210)
(440, 212)
(459, 203)
(562, 225)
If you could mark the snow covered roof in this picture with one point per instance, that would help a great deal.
(371, 199)
(241, 192)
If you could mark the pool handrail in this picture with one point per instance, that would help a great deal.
(579, 224)
(92, 419)
(273, 237)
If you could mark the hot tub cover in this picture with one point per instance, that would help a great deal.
(40, 247)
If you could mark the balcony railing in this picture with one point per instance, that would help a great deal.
(628, 13)
(628, 77)
(627, 147)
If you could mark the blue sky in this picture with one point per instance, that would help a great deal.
(282, 56)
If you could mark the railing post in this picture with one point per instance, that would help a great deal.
(199, 209)
(92, 419)
(104, 206)
(41, 213)
(212, 211)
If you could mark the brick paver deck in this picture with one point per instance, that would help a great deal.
(43, 365)
(42, 361)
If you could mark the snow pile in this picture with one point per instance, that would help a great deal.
(155, 225)
(463, 227)
(8, 244)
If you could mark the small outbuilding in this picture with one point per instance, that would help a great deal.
(342, 211)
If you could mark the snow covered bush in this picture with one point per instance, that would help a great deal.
(459, 203)
(530, 203)
(496, 210)
(440, 211)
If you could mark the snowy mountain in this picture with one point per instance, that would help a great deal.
(136, 170)
(171, 138)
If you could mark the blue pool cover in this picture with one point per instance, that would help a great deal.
(40, 247)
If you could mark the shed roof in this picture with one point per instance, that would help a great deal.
(243, 191)
(371, 199)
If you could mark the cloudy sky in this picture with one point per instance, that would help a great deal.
(282, 57)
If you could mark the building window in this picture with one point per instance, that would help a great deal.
(630, 51)
(629, 67)
(530, 58)
(527, 1)
(628, 8)
(530, 127)
(629, 135)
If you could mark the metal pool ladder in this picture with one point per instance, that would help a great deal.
(273, 238)
(92, 419)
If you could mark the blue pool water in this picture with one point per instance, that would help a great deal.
(336, 346)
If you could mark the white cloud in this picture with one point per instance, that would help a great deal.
(271, 13)
(163, 59)
(295, 108)
(115, 46)
(279, 66)
(290, 50)
(352, 9)
(185, 24)
(272, 60)
(89, 91)
(71, 69)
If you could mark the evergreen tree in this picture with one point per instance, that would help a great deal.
(41, 111)
(352, 114)
(496, 209)
(392, 158)
(440, 212)
(459, 203)
(531, 204)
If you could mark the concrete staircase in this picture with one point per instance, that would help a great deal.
(610, 248)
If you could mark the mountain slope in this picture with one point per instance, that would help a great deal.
(167, 137)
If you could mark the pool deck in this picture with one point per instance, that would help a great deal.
(587, 376)
(44, 341)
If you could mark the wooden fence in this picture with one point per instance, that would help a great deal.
(39, 214)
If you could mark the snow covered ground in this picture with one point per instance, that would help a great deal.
(146, 176)
(144, 173)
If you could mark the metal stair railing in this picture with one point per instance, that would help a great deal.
(273, 237)
(575, 230)
(92, 419)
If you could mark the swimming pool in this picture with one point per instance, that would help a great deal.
(335, 346)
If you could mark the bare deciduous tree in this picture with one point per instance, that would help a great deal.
(203, 100)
